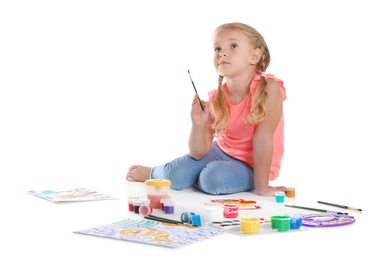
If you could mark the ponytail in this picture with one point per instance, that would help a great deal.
(219, 108)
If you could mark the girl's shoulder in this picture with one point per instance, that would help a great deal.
(270, 77)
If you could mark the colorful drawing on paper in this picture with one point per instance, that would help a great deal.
(70, 195)
(152, 232)
(243, 204)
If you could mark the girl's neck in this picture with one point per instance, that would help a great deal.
(238, 88)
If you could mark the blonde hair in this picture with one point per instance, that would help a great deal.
(258, 110)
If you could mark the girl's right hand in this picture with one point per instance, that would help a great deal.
(199, 117)
(201, 134)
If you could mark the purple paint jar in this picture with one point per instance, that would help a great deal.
(168, 206)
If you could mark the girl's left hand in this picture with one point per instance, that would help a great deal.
(270, 191)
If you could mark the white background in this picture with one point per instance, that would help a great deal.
(88, 88)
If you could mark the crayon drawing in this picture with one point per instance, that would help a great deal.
(70, 195)
(152, 232)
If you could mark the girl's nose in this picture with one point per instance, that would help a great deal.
(222, 54)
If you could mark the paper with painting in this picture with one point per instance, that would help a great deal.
(152, 232)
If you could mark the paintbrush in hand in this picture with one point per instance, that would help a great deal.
(200, 102)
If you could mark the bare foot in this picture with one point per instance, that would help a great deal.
(138, 173)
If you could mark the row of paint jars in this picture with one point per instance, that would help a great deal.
(144, 208)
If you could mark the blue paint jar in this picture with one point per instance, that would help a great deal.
(295, 222)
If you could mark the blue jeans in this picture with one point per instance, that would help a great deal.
(217, 173)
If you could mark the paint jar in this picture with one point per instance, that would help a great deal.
(157, 189)
(137, 204)
(168, 206)
(186, 217)
(162, 203)
(295, 221)
(279, 196)
(290, 192)
(196, 220)
(230, 210)
(131, 203)
(281, 223)
(145, 209)
(213, 211)
(250, 225)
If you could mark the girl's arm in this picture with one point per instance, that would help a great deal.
(263, 140)
(201, 134)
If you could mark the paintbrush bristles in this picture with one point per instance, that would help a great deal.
(354, 209)
(192, 80)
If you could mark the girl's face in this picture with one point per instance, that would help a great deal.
(233, 53)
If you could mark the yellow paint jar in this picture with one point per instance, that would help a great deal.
(250, 225)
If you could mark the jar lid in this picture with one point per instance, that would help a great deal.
(138, 202)
(158, 182)
(169, 203)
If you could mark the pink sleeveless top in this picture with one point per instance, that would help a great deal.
(237, 141)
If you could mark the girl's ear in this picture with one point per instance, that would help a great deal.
(256, 56)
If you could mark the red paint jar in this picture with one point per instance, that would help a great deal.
(131, 203)
(231, 210)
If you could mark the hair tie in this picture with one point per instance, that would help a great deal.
(263, 74)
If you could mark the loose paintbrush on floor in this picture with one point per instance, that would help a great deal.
(339, 206)
(160, 219)
(318, 210)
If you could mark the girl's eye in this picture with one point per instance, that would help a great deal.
(233, 46)
(217, 49)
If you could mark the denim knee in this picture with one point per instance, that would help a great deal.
(225, 177)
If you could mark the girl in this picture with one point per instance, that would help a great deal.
(236, 141)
